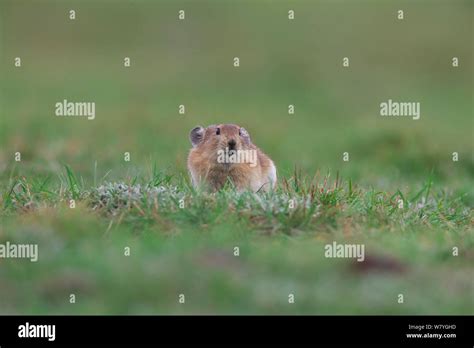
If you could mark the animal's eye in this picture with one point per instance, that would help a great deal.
(218, 131)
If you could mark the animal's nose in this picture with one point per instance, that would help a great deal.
(232, 144)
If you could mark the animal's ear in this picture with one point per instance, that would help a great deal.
(196, 135)
(243, 133)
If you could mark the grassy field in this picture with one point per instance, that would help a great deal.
(183, 241)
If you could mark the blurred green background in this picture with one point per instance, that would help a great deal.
(283, 62)
(190, 62)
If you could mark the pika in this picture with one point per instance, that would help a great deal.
(225, 152)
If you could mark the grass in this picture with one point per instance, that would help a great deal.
(299, 204)
(189, 248)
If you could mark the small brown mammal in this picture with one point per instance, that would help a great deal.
(225, 151)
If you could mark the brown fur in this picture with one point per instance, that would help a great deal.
(205, 169)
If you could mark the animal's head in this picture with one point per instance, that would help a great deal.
(220, 137)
